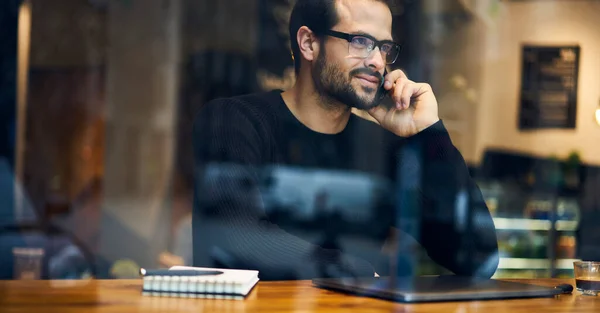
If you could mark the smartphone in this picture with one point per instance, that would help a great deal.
(382, 92)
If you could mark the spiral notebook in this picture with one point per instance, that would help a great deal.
(213, 283)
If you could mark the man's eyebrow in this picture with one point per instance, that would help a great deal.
(370, 36)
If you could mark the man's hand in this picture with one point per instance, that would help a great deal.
(415, 106)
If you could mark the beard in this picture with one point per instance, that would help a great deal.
(334, 84)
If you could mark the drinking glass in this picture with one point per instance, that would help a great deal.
(28, 263)
(587, 277)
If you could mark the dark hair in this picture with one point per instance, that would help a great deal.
(318, 15)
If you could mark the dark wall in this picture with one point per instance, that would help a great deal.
(407, 29)
(8, 70)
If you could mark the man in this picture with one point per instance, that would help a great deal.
(341, 49)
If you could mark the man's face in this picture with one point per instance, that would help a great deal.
(353, 81)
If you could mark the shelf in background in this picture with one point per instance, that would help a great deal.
(523, 263)
(532, 224)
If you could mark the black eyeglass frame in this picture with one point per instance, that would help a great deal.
(378, 43)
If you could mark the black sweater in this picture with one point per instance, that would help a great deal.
(237, 139)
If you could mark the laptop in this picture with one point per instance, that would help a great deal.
(434, 288)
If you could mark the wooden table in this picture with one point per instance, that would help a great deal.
(298, 296)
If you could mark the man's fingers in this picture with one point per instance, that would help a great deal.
(392, 77)
(402, 93)
(397, 92)
(402, 89)
(421, 89)
(407, 93)
(405, 90)
(387, 85)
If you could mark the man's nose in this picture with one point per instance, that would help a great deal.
(375, 60)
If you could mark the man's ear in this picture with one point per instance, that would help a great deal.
(308, 43)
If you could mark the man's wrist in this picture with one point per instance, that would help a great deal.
(436, 138)
(430, 124)
(435, 131)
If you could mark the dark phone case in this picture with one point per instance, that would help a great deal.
(382, 99)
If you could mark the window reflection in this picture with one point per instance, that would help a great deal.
(97, 154)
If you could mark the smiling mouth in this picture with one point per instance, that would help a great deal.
(370, 82)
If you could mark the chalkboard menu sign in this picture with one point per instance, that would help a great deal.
(549, 87)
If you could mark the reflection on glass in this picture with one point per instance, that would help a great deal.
(104, 120)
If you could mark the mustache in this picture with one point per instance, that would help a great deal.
(367, 71)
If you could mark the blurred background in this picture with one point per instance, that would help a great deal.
(97, 99)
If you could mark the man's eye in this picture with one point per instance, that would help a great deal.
(362, 41)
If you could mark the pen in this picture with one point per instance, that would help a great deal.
(167, 272)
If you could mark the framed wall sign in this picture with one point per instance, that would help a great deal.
(548, 96)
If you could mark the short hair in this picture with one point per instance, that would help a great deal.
(318, 15)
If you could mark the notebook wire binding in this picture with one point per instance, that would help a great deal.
(230, 285)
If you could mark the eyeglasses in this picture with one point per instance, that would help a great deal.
(362, 45)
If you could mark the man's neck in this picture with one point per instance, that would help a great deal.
(323, 115)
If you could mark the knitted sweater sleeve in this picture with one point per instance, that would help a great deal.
(435, 188)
